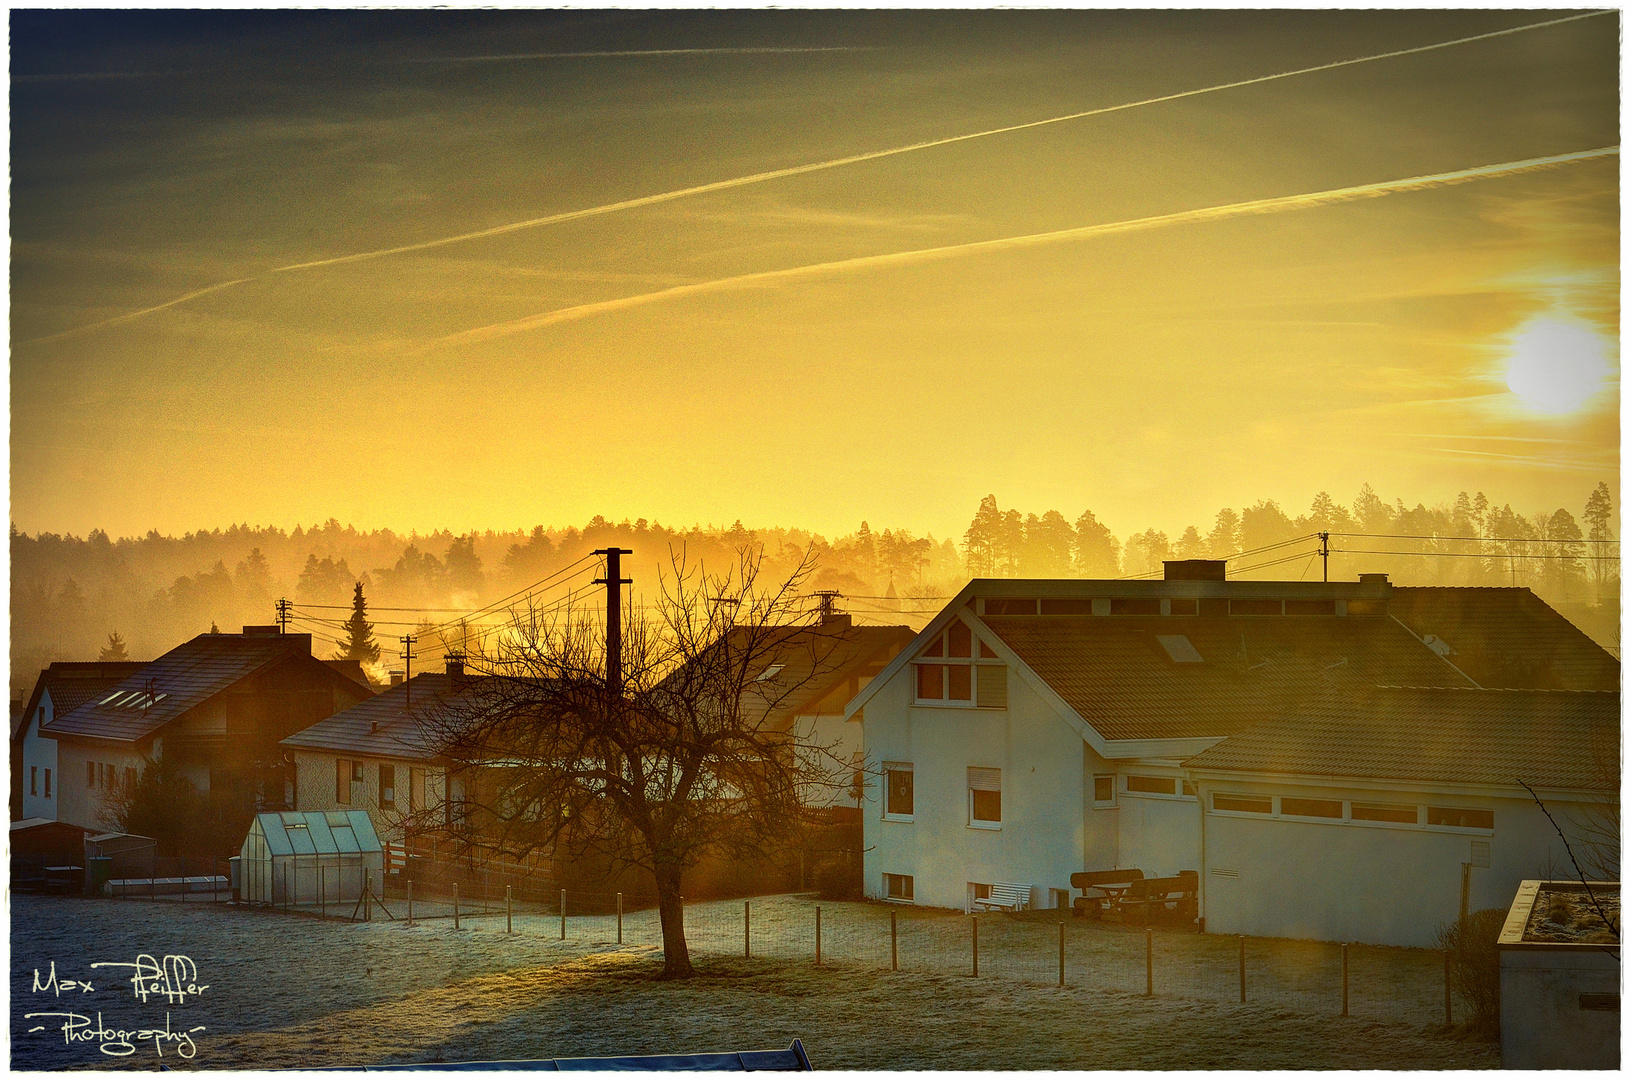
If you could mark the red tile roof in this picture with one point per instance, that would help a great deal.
(1547, 738)
(1507, 638)
(1118, 677)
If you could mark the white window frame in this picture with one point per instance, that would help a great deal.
(903, 767)
(946, 662)
(1177, 794)
(909, 885)
(984, 823)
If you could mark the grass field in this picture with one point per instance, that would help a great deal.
(286, 991)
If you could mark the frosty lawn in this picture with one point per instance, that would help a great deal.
(287, 991)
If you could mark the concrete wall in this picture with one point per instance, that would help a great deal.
(1159, 834)
(1366, 882)
(1542, 1023)
(40, 754)
(77, 802)
(316, 788)
(1044, 808)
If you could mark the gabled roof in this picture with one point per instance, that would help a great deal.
(810, 663)
(181, 679)
(1122, 680)
(384, 725)
(71, 684)
(1507, 638)
(1555, 739)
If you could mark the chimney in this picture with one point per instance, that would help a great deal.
(261, 631)
(373, 727)
(397, 678)
(1196, 569)
(455, 669)
(1379, 579)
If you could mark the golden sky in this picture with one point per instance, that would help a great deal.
(769, 350)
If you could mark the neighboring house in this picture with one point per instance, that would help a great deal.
(214, 707)
(375, 757)
(60, 689)
(1038, 728)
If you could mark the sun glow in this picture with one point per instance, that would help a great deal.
(1557, 364)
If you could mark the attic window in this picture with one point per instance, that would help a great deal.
(769, 673)
(1180, 649)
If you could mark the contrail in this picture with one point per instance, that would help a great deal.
(818, 166)
(902, 258)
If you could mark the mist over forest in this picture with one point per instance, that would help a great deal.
(70, 594)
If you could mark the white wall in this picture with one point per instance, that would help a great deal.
(830, 743)
(1364, 882)
(1044, 808)
(1159, 834)
(78, 803)
(40, 754)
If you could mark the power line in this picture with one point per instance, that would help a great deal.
(1478, 555)
(1478, 539)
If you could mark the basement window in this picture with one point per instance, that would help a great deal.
(899, 887)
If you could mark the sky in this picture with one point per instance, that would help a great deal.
(453, 269)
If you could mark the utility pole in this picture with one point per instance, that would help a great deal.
(614, 581)
(407, 655)
(283, 616)
(1324, 551)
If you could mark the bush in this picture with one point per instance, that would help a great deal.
(1474, 964)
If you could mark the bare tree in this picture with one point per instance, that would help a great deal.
(693, 753)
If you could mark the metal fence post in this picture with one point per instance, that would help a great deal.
(410, 901)
(894, 940)
(976, 946)
(455, 905)
(1061, 954)
(322, 889)
(367, 896)
(563, 914)
(1148, 962)
(1448, 1006)
(1242, 968)
(747, 929)
(1344, 978)
(509, 911)
(817, 935)
(619, 918)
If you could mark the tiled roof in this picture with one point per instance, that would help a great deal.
(1127, 685)
(814, 661)
(1546, 738)
(186, 676)
(399, 732)
(71, 684)
(1507, 638)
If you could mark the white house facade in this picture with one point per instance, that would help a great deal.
(1039, 728)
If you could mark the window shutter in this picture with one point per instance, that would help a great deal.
(985, 779)
(992, 687)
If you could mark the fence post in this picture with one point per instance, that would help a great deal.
(976, 946)
(817, 935)
(747, 929)
(1448, 1007)
(619, 918)
(410, 901)
(1061, 954)
(367, 896)
(322, 889)
(509, 911)
(1242, 968)
(1148, 962)
(455, 905)
(563, 914)
(894, 940)
(1344, 978)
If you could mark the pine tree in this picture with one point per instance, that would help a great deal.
(115, 652)
(361, 645)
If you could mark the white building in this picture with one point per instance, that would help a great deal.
(1039, 728)
(36, 776)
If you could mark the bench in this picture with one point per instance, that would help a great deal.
(1096, 896)
(1168, 899)
(1006, 894)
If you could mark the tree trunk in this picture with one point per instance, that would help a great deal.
(675, 953)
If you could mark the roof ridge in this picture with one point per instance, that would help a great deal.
(1496, 689)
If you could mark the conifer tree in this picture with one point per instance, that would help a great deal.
(115, 650)
(360, 645)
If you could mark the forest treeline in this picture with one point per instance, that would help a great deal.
(69, 594)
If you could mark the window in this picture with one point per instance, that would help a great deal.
(1183, 607)
(1010, 607)
(356, 772)
(387, 787)
(991, 685)
(1459, 817)
(342, 781)
(1158, 785)
(957, 678)
(1060, 607)
(985, 798)
(899, 790)
(1250, 804)
(90, 774)
(33, 779)
(1103, 789)
(47, 783)
(899, 886)
(930, 682)
(1255, 607)
(1310, 607)
(1405, 815)
(1326, 808)
(1128, 605)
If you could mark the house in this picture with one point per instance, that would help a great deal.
(1038, 728)
(60, 689)
(213, 707)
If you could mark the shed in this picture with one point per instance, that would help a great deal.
(310, 858)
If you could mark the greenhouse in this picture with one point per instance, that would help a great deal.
(310, 859)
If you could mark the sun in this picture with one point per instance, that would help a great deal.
(1556, 364)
